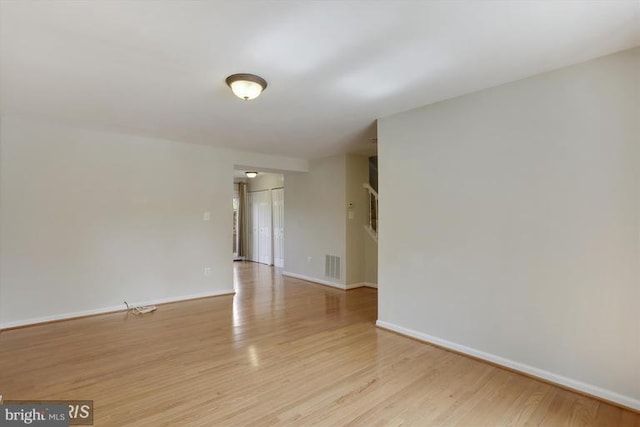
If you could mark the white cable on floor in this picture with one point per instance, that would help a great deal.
(142, 309)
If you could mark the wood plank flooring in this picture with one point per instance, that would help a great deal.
(281, 352)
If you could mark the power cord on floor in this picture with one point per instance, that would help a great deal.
(141, 309)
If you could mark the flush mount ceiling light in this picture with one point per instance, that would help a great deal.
(246, 86)
(251, 174)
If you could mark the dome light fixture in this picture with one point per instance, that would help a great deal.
(246, 86)
(251, 174)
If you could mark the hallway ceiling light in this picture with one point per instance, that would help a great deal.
(246, 86)
(251, 174)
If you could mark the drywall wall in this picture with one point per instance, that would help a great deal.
(357, 173)
(89, 219)
(267, 162)
(325, 213)
(314, 215)
(509, 225)
(370, 260)
(1, 299)
(265, 181)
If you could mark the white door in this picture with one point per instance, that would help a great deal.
(252, 226)
(264, 228)
(260, 227)
(277, 197)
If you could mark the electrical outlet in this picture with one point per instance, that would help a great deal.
(206, 216)
(207, 271)
(308, 260)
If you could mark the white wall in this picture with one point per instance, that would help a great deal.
(370, 259)
(314, 215)
(318, 221)
(265, 162)
(509, 225)
(89, 219)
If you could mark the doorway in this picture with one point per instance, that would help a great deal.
(260, 228)
(259, 217)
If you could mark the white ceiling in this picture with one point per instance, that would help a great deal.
(157, 68)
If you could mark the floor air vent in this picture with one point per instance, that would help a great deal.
(332, 266)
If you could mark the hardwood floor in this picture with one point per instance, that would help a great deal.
(281, 352)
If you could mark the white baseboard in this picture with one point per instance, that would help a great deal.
(363, 285)
(329, 283)
(318, 281)
(111, 309)
(576, 385)
(185, 297)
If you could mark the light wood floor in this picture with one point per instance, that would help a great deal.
(281, 352)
